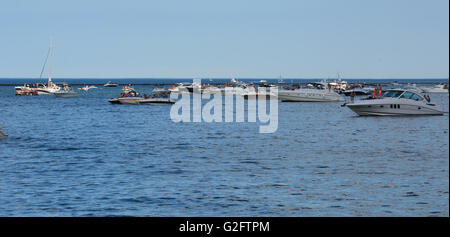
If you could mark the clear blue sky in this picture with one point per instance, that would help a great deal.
(239, 38)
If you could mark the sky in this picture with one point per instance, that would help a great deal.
(228, 38)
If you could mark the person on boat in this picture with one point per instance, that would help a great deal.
(427, 97)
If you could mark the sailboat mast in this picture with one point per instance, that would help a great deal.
(50, 63)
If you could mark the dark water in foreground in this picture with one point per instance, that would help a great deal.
(84, 157)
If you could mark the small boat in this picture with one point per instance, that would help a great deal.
(66, 91)
(2, 134)
(440, 88)
(157, 90)
(134, 98)
(395, 102)
(110, 84)
(84, 88)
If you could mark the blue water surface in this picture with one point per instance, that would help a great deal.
(85, 157)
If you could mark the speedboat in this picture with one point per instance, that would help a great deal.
(2, 134)
(134, 98)
(309, 95)
(440, 88)
(110, 84)
(84, 88)
(66, 92)
(395, 102)
(137, 100)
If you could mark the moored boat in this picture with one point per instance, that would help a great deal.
(440, 88)
(110, 84)
(66, 91)
(396, 102)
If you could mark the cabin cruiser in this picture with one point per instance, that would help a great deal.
(396, 102)
(315, 92)
(135, 98)
(65, 91)
(2, 134)
(440, 88)
(110, 84)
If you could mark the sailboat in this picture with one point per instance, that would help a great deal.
(38, 88)
(50, 88)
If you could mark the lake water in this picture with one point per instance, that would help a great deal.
(85, 157)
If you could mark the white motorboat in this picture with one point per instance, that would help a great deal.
(110, 84)
(84, 88)
(2, 134)
(396, 102)
(440, 88)
(66, 92)
(309, 95)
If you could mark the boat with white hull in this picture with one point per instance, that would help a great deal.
(66, 92)
(140, 101)
(110, 84)
(441, 88)
(309, 95)
(394, 103)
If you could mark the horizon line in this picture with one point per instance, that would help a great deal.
(244, 78)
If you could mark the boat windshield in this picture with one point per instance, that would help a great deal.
(407, 95)
(393, 94)
(416, 97)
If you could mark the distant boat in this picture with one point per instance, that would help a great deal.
(110, 84)
(84, 88)
(41, 89)
(309, 95)
(159, 89)
(441, 88)
(66, 91)
(2, 134)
